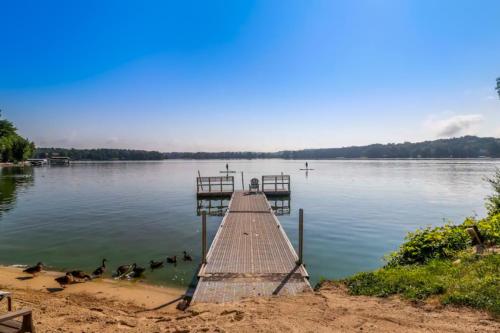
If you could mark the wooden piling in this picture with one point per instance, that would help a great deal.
(199, 177)
(301, 236)
(204, 237)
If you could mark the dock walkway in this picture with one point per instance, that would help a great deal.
(250, 255)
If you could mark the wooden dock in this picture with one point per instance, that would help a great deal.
(223, 186)
(250, 255)
(209, 187)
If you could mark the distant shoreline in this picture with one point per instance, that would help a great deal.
(283, 159)
(454, 148)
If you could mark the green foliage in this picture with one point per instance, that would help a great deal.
(473, 281)
(493, 201)
(100, 154)
(498, 86)
(13, 148)
(489, 228)
(429, 243)
(443, 242)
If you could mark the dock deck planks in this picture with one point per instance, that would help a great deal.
(250, 255)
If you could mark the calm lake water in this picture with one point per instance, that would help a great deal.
(356, 211)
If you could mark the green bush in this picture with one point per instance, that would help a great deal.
(429, 243)
(493, 201)
(443, 242)
(473, 281)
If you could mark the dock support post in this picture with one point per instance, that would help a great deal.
(204, 237)
(242, 182)
(301, 236)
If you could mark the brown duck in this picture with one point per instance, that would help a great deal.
(65, 280)
(80, 275)
(172, 260)
(124, 269)
(99, 271)
(187, 257)
(155, 264)
(34, 269)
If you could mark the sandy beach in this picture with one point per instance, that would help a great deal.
(111, 306)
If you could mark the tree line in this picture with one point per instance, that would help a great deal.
(463, 147)
(13, 147)
(103, 154)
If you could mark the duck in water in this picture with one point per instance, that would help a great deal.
(137, 271)
(172, 260)
(187, 257)
(124, 269)
(155, 264)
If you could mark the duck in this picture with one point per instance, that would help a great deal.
(187, 257)
(99, 271)
(80, 275)
(172, 260)
(34, 269)
(124, 269)
(137, 270)
(65, 280)
(155, 264)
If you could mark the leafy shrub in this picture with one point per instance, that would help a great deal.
(493, 201)
(428, 243)
(443, 242)
(490, 228)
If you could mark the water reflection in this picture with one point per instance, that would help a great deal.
(212, 206)
(13, 179)
(218, 206)
(280, 205)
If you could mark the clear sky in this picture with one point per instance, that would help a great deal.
(248, 75)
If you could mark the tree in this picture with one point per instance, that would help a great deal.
(13, 148)
(498, 86)
(493, 201)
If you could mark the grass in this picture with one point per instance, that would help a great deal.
(473, 280)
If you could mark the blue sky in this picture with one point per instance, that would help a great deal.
(248, 75)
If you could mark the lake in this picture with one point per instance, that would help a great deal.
(356, 211)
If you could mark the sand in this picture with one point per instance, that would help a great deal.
(110, 306)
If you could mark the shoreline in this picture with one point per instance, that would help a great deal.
(139, 293)
(134, 307)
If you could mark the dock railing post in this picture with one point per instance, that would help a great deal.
(204, 237)
(301, 236)
(242, 182)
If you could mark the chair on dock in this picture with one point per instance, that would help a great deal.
(254, 185)
(8, 324)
